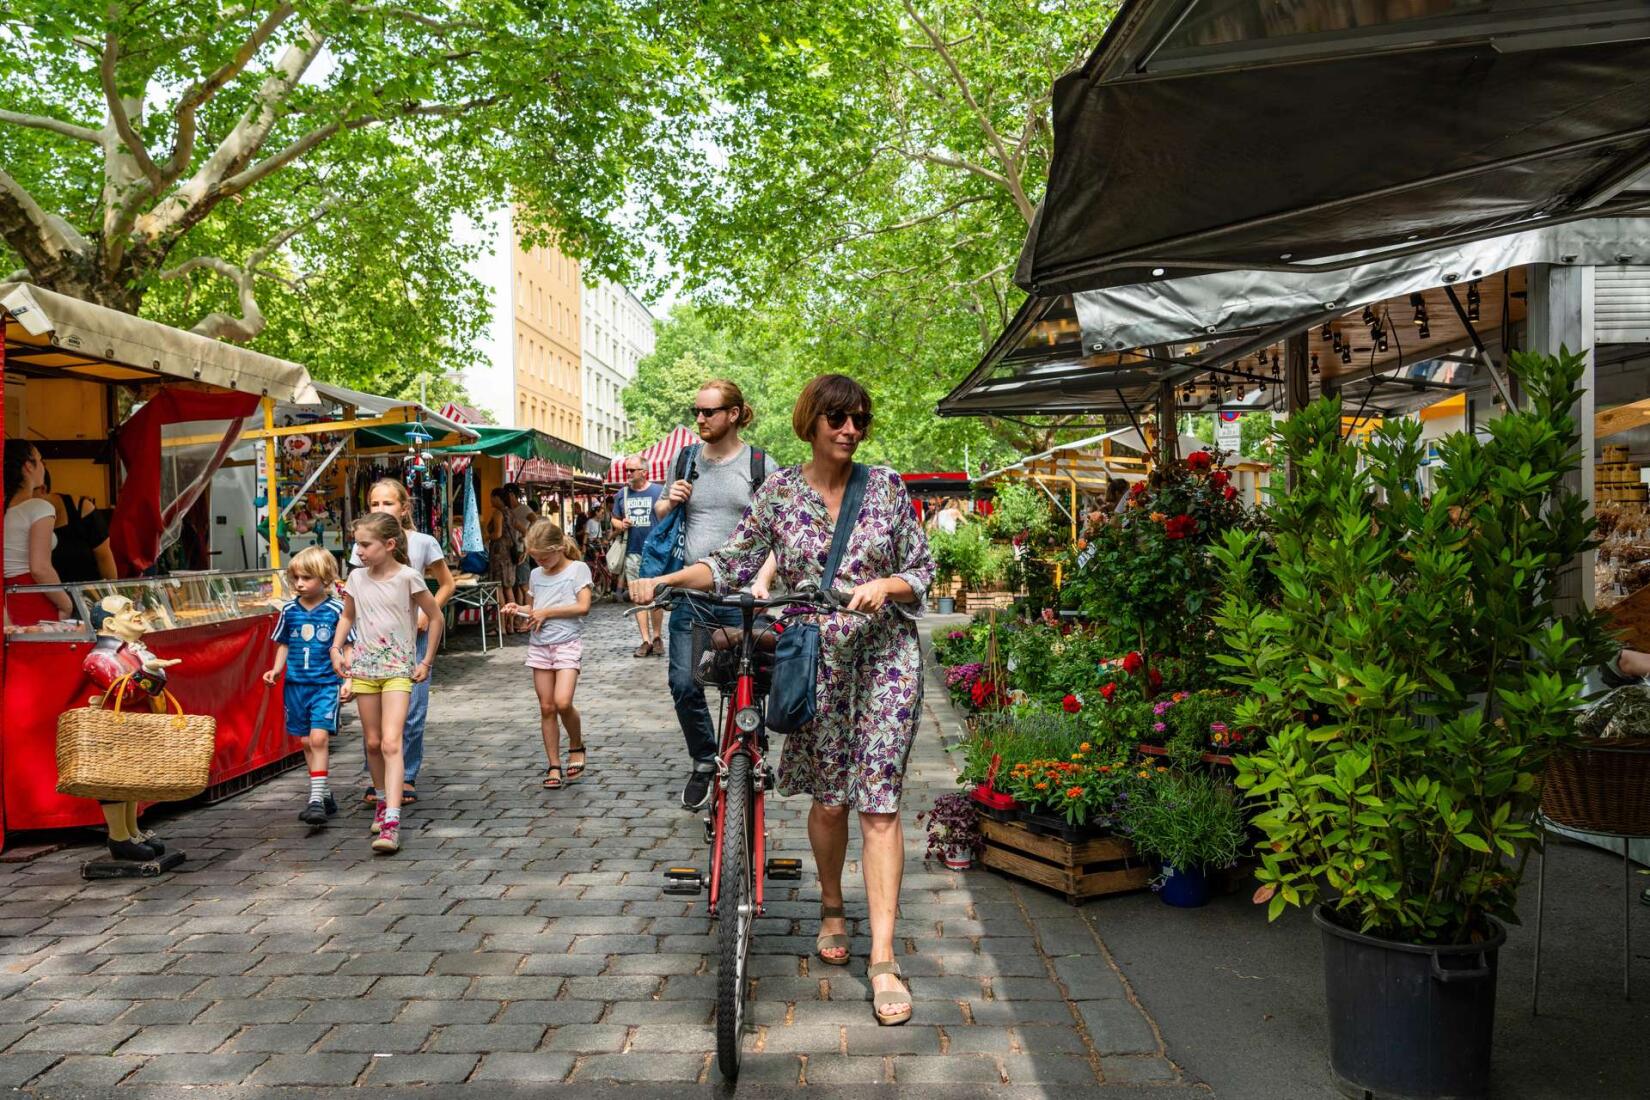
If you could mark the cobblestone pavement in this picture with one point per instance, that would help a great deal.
(520, 938)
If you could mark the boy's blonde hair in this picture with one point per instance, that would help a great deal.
(314, 562)
(545, 536)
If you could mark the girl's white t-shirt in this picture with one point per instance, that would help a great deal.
(558, 590)
(19, 519)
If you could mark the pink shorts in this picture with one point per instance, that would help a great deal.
(555, 655)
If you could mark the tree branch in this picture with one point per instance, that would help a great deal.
(931, 157)
(44, 242)
(56, 126)
(183, 144)
(1011, 168)
(118, 116)
(909, 223)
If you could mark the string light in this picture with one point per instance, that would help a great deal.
(1420, 305)
(1346, 353)
(1380, 340)
(1336, 346)
(1472, 300)
(1315, 368)
(1325, 333)
(1369, 316)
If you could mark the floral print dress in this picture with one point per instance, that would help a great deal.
(870, 669)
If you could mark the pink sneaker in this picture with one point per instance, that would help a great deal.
(389, 838)
(378, 819)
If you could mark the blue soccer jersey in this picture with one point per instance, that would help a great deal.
(307, 632)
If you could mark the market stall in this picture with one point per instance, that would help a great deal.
(658, 455)
(100, 392)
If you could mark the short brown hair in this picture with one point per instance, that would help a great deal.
(827, 393)
(732, 396)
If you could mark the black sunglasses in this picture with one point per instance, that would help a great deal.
(696, 412)
(836, 417)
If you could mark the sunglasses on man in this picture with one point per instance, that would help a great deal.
(836, 418)
(697, 413)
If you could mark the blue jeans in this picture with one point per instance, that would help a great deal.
(691, 709)
(418, 709)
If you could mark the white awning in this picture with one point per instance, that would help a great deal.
(52, 333)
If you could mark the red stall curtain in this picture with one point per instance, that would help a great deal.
(141, 517)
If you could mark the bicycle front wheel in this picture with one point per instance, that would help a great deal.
(735, 916)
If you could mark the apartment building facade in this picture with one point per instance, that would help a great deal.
(617, 335)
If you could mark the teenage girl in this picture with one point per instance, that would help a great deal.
(424, 555)
(383, 601)
(560, 588)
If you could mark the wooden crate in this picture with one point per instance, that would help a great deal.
(1086, 869)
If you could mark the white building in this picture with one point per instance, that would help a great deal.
(618, 334)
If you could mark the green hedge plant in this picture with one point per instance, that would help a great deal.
(1418, 664)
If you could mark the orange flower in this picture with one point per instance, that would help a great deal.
(1105, 767)
(1075, 792)
(1157, 517)
(1084, 747)
(1042, 786)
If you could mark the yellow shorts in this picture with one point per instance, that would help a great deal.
(402, 684)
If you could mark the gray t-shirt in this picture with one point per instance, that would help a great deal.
(720, 496)
(558, 590)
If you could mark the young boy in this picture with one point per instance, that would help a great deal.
(303, 636)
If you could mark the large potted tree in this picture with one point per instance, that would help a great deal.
(1416, 667)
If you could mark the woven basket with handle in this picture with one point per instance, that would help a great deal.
(118, 756)
(1600, 785)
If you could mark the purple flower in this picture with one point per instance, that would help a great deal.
(1158, 727)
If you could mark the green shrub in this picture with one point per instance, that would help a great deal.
(1183, 819)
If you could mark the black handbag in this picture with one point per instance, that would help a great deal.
(792, 701)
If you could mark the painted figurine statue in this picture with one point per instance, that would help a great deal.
(118, 652)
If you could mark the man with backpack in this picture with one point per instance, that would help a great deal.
(713, 482)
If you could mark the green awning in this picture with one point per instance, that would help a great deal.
(498, 442)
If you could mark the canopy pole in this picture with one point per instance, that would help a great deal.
(1135, 420)
(272, 487)
(1297, 386)
(1168, 429)
(1478, 346)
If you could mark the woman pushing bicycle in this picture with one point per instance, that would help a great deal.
(869, 690)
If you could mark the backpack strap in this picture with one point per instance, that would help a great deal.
(683, 457)
(759, 468)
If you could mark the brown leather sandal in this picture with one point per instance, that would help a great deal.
(834, 940)
(890, 1019)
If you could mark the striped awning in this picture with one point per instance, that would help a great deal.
(659, 456)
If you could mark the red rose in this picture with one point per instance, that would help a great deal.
(1155, 679)
(1071, 703)
(1137, 488)
(1107, 690)
(1219, 477)
(1228, 492)
(1133, 662)
(1199, 460)
(1178, 527)
(980, 692)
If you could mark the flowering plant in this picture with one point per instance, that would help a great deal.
(1080, 787)
(1184, 819)
(953, 824)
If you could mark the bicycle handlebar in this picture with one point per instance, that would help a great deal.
(665, 597)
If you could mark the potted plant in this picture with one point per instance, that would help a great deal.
(1411, 677)
(943, 546)
(953, 830)
(1189, 823)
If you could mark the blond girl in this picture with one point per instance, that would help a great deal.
(560, 588)
(382, 602)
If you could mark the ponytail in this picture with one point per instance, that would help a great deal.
(387, 530)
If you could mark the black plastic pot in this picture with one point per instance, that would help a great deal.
(1408, 1021)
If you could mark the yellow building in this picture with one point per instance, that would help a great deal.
(548, 363)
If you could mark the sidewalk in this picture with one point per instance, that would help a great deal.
(520, 939)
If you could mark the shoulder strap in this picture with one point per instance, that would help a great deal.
(852, 498)
(683, 457)
(759, 468)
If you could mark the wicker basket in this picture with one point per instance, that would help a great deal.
(133, 757)
(1600, 785)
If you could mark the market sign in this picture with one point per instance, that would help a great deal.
(1229, 431)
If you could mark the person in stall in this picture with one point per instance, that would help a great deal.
(29, 540)
(82, 551)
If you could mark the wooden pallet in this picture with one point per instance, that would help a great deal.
(1086, 869)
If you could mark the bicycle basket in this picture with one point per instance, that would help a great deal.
(716, 655)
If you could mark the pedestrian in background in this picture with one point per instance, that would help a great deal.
(503, 550)
(633, 518)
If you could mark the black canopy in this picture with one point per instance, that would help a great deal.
(1255, 134)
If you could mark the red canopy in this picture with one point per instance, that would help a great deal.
(658, 456)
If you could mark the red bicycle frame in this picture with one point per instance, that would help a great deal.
(735, 740)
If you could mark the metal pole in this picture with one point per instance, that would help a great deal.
(1297, 385)
(272, 488)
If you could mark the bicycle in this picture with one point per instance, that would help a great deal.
(735, 825)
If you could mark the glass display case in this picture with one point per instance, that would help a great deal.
(166, 603)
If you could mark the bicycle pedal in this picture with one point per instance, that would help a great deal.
(769, 782)
(785, 869)
(684, 880)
